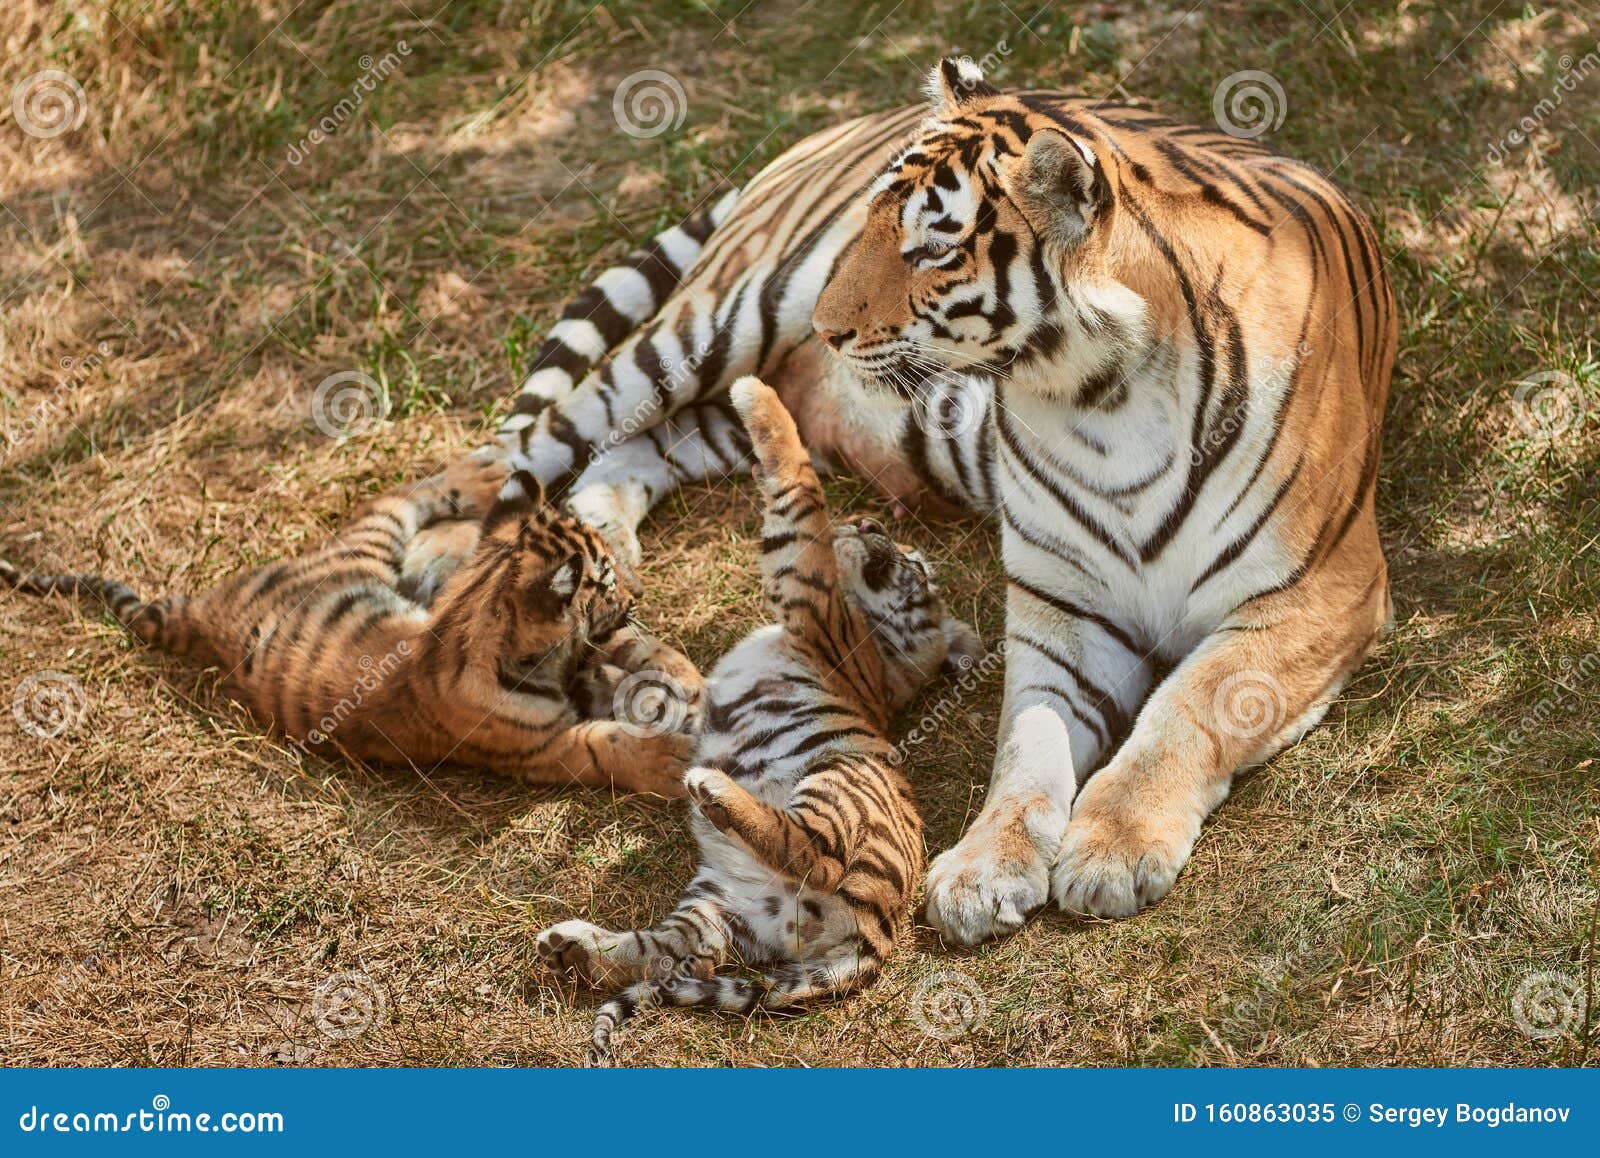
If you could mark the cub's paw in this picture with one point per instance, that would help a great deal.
(998, 876)
(657, 764)
(574, 947)
(706, 786)
(1115, 861)
(471, 484)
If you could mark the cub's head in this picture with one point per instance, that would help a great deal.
(547, 583)
(984, 244)
(894, 591)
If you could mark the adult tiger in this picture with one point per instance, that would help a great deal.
(1167, 354)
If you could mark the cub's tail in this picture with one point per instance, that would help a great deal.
(616, 303)
(784, 987)
(160, 623)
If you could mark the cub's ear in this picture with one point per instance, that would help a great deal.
(550, 592)
(521, 495)
(963, 648)
(955, 83)
(1059, 185)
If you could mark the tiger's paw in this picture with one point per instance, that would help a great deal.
(1117, 860)
(472, 483)
(706, 787)
(574, 947)
(655, 764)
(998, 876)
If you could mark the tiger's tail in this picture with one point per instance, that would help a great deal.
(786, 986)
(616, 303)
(161, 623)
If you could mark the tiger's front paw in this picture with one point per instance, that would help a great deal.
(656, 763)
(998, 876)
(1118, 859)
(472, 483)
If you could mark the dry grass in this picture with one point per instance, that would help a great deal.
(172, 289)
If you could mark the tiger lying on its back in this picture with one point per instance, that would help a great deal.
(810, 840)
(443, 624)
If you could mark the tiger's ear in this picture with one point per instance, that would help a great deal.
(954, 83)
(549, 593)
(1059, 185)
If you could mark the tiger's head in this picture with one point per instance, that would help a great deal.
(893, 589)
(986, 248)
(545, 583)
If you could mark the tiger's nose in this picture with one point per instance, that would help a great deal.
(870, 527)
(836, 338)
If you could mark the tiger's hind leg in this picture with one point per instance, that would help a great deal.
(817, 858)
(798, 564)
(691, 942)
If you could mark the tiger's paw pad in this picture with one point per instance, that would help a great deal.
(975, 893)
(1114, 866)
(573, 947)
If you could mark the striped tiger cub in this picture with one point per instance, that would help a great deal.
(810, 841)
(461, 619)
(1157, 355)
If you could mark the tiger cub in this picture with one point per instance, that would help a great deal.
(455, 620)
(810, 841)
